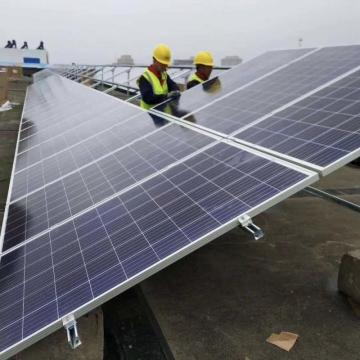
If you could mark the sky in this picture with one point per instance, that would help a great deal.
(98, 32)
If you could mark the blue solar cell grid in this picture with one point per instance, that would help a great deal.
(233, 79)
(243, 107)
(96, 205)
(321, 129)
(87, 183)
(62, 161)
(58, 122)
(105, 247)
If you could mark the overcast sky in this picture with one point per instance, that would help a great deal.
(87, 31)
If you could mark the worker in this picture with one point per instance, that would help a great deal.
(212, 86)
(41, 46)
(8, 45)
(204, 63)
(155, 84)
(13, 45)
(25, 45)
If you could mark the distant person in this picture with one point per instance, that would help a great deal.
(25, 45)
(13, 45)
(41, 46)
(155, 84)
(8, 45)
(204, 63)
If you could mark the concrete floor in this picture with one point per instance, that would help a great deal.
(224, 300)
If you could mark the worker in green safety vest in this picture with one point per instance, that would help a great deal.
(155, 84)
(204, 63)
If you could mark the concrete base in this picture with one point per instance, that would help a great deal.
(55, 346)
(349, 275)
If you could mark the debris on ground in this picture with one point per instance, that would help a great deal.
(284, 340)
(6, 106)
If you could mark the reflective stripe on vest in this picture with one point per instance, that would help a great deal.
(196, 78)
(155, 83)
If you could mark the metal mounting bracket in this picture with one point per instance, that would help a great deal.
(110, 89)
(73, 338)
(246, 222)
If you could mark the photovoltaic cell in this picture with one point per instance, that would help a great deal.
(321, 129)
(134, 234)
(243, 107)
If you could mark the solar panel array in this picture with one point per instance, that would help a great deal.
(320, 130)
(248, 104)
(252, 112)
(233, 79)
(104, 194)
(87, 184)
(96, 166)
(110, 246)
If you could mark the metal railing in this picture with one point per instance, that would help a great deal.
(97, 75)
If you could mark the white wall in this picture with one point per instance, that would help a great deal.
(16, 56)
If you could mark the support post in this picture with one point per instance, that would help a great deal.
(246, 222)
(73, 338)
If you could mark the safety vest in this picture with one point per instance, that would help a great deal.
(155, 83)
(196, 78)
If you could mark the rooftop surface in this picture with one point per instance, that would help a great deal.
(226, 299)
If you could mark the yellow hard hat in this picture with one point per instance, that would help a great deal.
(204, 58)
(162, 54)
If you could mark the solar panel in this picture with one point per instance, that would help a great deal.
(42, 74)
(52, 194)
(77, 265)
(321, 131)
(103, 139)
(90, 169)
(52, 116)
(232, 79)
(66, 138)
(250, 103)
(181, 75)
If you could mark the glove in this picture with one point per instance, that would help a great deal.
(174, 94)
